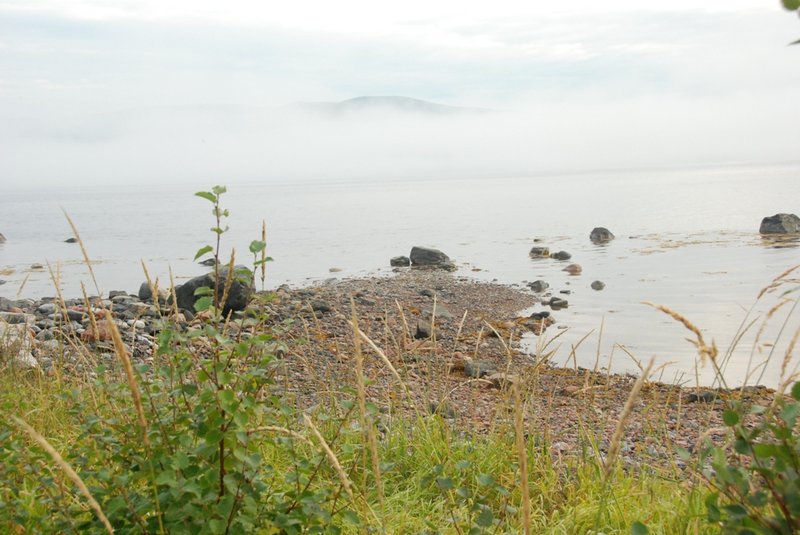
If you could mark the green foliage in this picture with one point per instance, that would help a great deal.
(792, 5)
(757, 474)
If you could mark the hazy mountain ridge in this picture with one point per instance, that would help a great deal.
(398, 104)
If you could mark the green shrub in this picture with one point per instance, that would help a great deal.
(756, 474)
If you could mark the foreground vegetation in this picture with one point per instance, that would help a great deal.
(202, 439)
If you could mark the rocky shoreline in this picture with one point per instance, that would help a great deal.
(452, 340)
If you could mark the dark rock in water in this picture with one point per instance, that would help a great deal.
(573, 269)
(2, 239)
(241, 290)
(540, 315)
(430, 258)
(598, 285)
(400, 261)
(538, 286)
(424, 330)
(2, 282)
(117, 293)
(561, 255)
(539, 252)
(71, 240)
(565, 292)
(780, 224)
(601, 235)
(479, 368)
(37, 266)
(556, 303)
(210, 262)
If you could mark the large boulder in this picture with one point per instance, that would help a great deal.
(2, 238)
(780, 224)
(241, 290)
(600, 235)
(430, 258)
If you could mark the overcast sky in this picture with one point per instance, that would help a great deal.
(155, 90)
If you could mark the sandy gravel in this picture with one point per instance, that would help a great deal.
(475, 330)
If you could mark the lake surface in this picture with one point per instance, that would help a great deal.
(685, 238)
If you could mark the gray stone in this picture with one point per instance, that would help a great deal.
(539, 252)
(45, 335)
(441, 312)
(479, 368)
(400, 261)
(561, 255)
(601, 235)
(71, 240)
(24, 360)
(424, 330)
(75, 315)
(117, 293)
(705, 396)
(780, 224)
(2, 238)
(425, 257)
(16, 318)
(239, 294)
(556, 303)
(598, 285)
(320, 306)
(538, 286)
(46, 309)
(145, 292)
(503, 380)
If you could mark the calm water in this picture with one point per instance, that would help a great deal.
(686, 238)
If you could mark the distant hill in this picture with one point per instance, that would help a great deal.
(387, 103)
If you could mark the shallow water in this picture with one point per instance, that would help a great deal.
(686, 238)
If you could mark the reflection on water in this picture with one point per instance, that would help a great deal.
(673, 247)
(778, 241)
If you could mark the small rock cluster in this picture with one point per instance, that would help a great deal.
(424, 258)
(35, 333)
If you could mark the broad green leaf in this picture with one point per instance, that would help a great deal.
(219, 190)
(484, 480)
(203, 250)
(730, 417)
(791, 5)
(445, 483)
(790, 413)
(203, 290)
(207, 195)
(463, 464)
(351, 518)
(485, 518)
(796, 391)
(256, 246)
(204, 303)
(637, 528)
